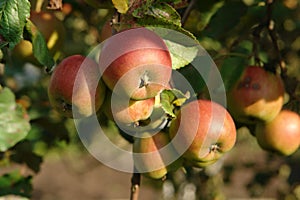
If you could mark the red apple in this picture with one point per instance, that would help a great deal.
(257, 96)
(281, 135)
(203, 130)
(151, 159)
(106, 31)
(136, 63)
(75, 84)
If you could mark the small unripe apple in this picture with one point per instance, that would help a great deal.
(281, 135)
(257, 96)
(127, 111)
(151, 161)
(137, 61)
(206, 129)
(75, 89)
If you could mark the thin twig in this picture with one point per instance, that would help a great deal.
(135, 185)
(187, 12)
(274, 37)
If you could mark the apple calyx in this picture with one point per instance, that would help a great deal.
(145, 79)
(214, 148)
(66, 106)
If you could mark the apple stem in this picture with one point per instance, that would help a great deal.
(187, 12)
(135, 185)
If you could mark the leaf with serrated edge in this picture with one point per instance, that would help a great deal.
(13, 126)
(172, 98)
(166, 103)
(13, 16)
(180, 54)
(121, 5)
(165, 12)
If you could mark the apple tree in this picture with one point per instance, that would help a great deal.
(197, 89)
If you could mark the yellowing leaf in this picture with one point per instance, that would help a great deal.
(121, 5)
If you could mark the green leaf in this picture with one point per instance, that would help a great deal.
(13, 16)
(159, 11)
(13, 124)
(170, 99)
(39, 45)
(150, 21)
(121, 5)
(206, 9)
(15, 183)
(3, 44)
(182, 47)
(23, 153)
(233, 67)
(225, 19)
(181, 55)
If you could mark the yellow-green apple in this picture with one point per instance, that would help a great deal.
(203, 131)
(152, 157)
(136, 63)
(281, 135)
(75, 88)
(257, 96)
(51, 28)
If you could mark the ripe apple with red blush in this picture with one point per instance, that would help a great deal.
(205, 129)
(257, 96)
(137, 61)
(281, 135)
(75, 88)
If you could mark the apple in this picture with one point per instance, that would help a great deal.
(106, 31)
(135, 63)
(257, 96)
(203, 131)
(127, 111)
(151, 158)
(52, 29)
(75, 89)
(281, 135)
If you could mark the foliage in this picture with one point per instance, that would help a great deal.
(234, 33)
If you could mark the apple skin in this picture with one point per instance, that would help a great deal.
(257, 96)
(106, 31)
(65, 95)
(127, 111)
(152, 163)
(138, 60)
(206, 129)
(281, 135)
(53, 31)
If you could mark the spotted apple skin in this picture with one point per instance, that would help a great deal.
(257, 96)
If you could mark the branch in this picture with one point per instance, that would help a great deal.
(187, 12)
(135, 185)
(268, 24)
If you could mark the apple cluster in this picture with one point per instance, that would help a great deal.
(125, 85)
(257, 99)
